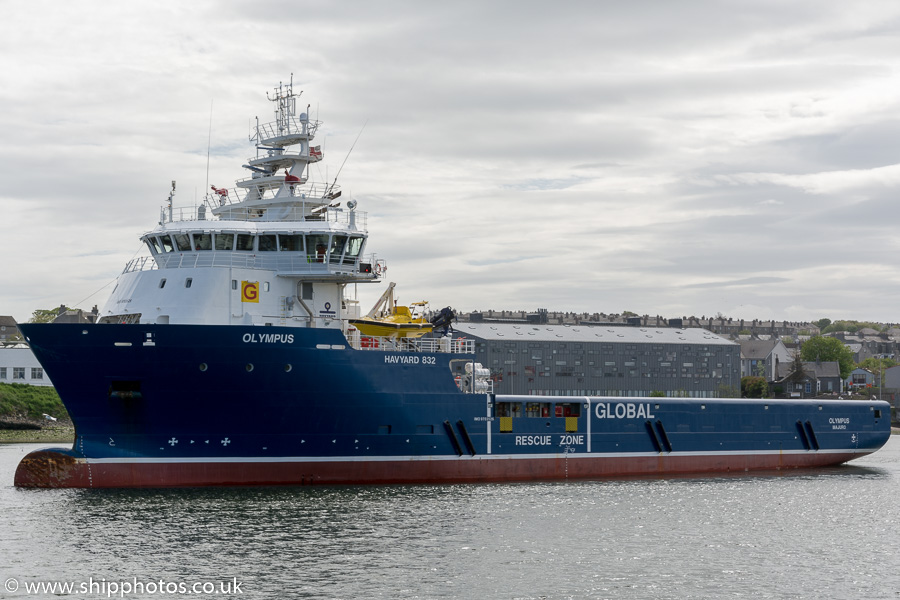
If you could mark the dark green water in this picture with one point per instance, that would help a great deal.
(829, 533)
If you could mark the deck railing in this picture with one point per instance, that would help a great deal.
(391, 344)
(271, 214)
(294, 128)
(283, 263)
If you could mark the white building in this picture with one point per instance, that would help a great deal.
(18, 365)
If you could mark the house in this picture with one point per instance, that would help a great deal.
(891, 390)
(892, 378)
(828, 376)
(8, 328)
(861, 378)
(816, 379)
(19, 365)
(75, 315)
(762, 357)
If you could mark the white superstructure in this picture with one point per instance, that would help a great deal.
(276, 249)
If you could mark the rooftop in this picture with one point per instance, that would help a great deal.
(587, 333)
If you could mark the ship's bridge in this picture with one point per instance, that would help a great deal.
(324, 245)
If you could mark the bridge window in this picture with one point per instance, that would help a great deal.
(290, 243)
(154, 246)
(182, 242)
(244, 242)
(224, 241)
(337, 247)
(166, 242)
(203, 241)
(316, 248)
(355, 246)
(268, 243)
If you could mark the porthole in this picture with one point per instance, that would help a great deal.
(188, 282)
(249, 367)
(287, 368)
(162, 283)
(203, 366)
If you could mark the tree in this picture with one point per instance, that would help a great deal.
(754, 387)
(823, 323)
(45, 315)
(850, 326)
(828, 349)
(877, 365)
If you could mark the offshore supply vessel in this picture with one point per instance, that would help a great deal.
(228, 356)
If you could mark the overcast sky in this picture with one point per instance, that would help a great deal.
(672, 158)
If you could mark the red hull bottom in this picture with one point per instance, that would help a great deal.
(52, 469)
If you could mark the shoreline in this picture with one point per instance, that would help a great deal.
(59, 434)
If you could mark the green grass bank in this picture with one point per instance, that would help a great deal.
(22, 410)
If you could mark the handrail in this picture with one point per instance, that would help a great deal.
(271, 189)
(298, 127)
(289, 155)
(283, 263)
(272, 214)
(371, 343)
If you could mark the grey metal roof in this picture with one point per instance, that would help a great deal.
(757, 349)
(581, 333)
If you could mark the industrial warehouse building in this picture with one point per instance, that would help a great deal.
(561, 360)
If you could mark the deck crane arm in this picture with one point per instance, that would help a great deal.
(387, 296)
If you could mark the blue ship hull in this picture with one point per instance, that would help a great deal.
(185, 405)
